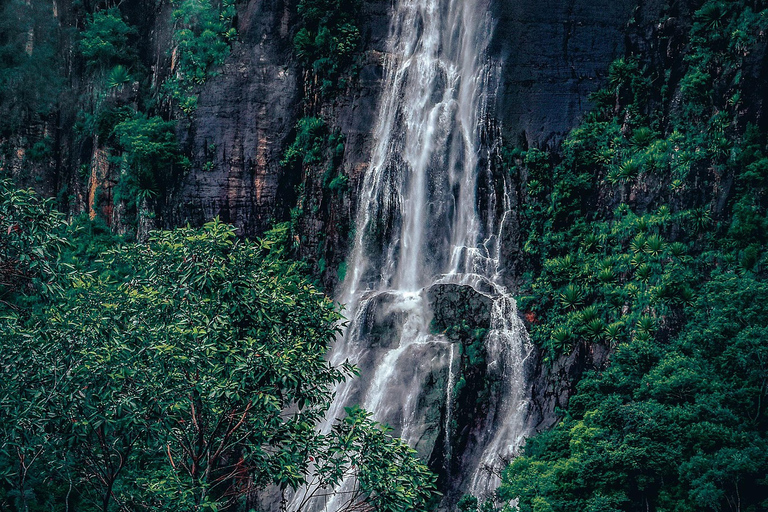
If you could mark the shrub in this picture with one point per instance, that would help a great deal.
(105, 38)
(202, 33)
(309, 145)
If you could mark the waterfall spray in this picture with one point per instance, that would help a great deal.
(418, 225)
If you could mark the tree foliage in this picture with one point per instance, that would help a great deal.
(150, 150)
(635, 243)
(105, 39)
(31, 238)
(668, 428)
(186, 373)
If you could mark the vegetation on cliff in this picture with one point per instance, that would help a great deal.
(327, 48)
(648, 235)
(82, 84)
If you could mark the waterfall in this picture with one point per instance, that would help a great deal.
(419, 225)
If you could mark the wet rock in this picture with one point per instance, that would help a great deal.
(454, 304)
(381, 321)
(426, 428)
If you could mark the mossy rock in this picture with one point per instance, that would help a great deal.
(458, 305)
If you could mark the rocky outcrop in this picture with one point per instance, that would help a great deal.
(454, 305)
(552, 385)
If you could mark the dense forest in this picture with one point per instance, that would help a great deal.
(167, 350)
(676, 419)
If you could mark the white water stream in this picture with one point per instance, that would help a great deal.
(419, 224)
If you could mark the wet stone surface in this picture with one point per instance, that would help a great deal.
(453, 304)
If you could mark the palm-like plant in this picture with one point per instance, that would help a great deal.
(637, 260)
(606, 275)
(686, 295)
(566, 265)
(572, 296)
(589, 314)
(637, 244)
(643, 136)
(676, 185)
(702, 218)
(645, 325)
(629, 168)
(595, 329)
(562, 340)
(621, 72)
(589, 242)
(663, 214)
(643, 272)
(604, 155)
(625, 171)
(677, 249)
(654, 245)
(614, 331)
(713, 15)
(118, 77)
(632, 290)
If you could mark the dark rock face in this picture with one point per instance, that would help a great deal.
(552, 386)
(239, 130)
(355, 112)
(382, 321)
(453, 304)
(554, 53)
(328, 217)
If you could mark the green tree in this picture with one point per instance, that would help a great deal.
(150, 150)
(328, 40)
(360, 465)
(209, 352)
(187, 373)
(31, 237)
(105, 39)
(681, 427)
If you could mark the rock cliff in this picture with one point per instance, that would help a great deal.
(553, 54)
(236, 137)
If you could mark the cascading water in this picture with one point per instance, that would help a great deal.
(419, 226)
